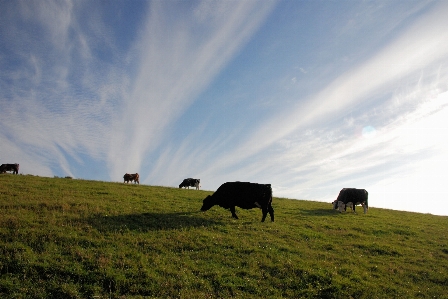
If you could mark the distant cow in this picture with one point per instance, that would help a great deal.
(352, 196)
(244, 195)
(9, 167)
(131, 177)
(187, 183)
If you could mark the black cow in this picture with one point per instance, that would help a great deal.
(354, 196)
(187, 183)
(244, 195)
(10, 167)
(129, 177)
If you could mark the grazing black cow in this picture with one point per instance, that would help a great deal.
(352, 197)
(244, 195)
(187, 183)
(131, 177)
(10, 167)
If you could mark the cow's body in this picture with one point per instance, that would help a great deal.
(187, 183)
(10, 167)
(129, 177)
(351, 197)
(244, 195)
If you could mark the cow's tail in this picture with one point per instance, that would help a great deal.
(270, 195)
(367, 200)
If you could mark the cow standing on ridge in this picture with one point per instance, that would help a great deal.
(131, 177)
(351, 197)
(10, 167)
(187, 183)
(244, 195)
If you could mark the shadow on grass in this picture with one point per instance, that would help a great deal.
(150, 221)
(321, 212)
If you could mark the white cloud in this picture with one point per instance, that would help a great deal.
(420, 186)
(57, 103)
(177, 62)
(419, 47)
(407, 154)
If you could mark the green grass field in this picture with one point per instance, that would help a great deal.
(63, 238)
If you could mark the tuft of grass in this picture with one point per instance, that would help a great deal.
(63, 238)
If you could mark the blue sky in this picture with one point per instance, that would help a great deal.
(310, 96)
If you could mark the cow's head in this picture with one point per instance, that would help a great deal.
(208, 202)
(365, 207)
(341, 206)
(335, 204)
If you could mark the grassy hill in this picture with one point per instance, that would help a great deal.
(63, 238)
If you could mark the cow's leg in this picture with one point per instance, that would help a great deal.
(265, 213)
(271, 212)
(349, 204)
(232, 209)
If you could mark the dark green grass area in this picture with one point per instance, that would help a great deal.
(63, 238)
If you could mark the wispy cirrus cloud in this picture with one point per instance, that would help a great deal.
(420, 47)
(178, 57)
(52, 89)
(81, 93)
(316, 164)
(367, 128)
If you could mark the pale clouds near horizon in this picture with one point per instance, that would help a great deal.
(261, 91)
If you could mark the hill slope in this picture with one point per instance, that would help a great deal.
(62, 238)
